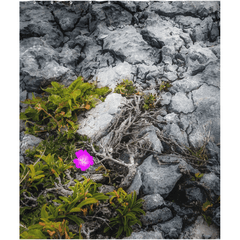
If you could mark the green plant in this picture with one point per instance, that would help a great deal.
(59, 110)
(48, 229)
(149, 101)
(82, 201)
(128, 209)
(208, 219)
(199, 153)
(126, 88)
(197, 176)
(164, 86)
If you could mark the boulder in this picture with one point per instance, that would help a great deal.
(38, 21)
(207, 102)
(196, 194)
(98, 119)
(66, 18)
(153, 178)
(113, 14)
(181, 103)
(171, 228)
(152, 202)
(149, 134)
(111, 76)
(128, 45)
(159, 215)
(39, 64)
(211, 181)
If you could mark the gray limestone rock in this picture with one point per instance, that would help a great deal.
(214, 33)
(38, 21)
(111, 76)
(198, 57)
(159, 215)
(146, 72)
(216, 216)
(175, 133)
(171, 118)
(152, 177)
(113, 14)
(181, 103)
(196, 9)
(213, 150)
(184, 212)
(211, 74)
(38, 64)
(164, 32)
(199, 229)
(149, 134)
(152, 202)
(196, 194)
(28, 142)
(66, 18)
(186, 85)
(69, 57)
(99, 118)
(171, 229)
(207, 102)
(212, 181)
(145, 235)
(128, 45)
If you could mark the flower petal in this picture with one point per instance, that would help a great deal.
(79, 153)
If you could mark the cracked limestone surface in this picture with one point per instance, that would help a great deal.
(147, 43)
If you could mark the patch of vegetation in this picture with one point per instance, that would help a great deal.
(50, 196)
(126, 88)
(59, 110)
(197, 176)
(199, 153)
(165, 86)
(128, 209)
(149, 101)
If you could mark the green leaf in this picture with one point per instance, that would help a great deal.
(44, 213)
(23, 116)
(87, 201)
(55, 99)
(118, 210)
(33, 234)
(100, 196)
(70, 103)
(38, 177)
(65, 199)
(75, 84)
(76, 209)
(75, 94)
(76, 219)
(106, 229)
(32, 170)
(120, 229)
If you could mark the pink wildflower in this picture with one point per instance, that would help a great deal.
(84, 160)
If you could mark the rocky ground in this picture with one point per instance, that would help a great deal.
(147, 43)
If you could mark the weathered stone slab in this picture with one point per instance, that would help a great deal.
(128, 45)
(98, 118)
(153, 178)
(207, 102)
